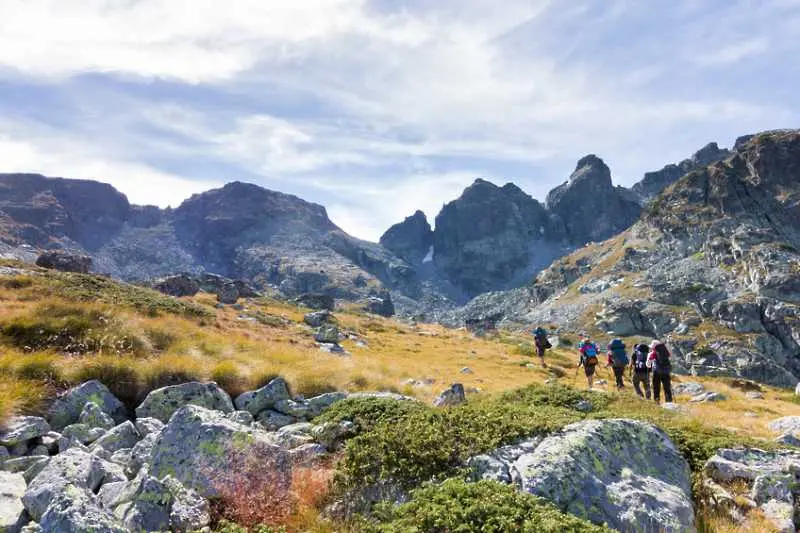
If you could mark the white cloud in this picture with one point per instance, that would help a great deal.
(734, 52)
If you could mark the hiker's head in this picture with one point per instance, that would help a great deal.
(655, 343)
(586, 340)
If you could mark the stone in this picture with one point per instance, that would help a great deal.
(12, 512)
(786, 424)
(707, 397)
(747, 464)
(589, 469)
(332, 435)
(242, 417)
(20, 465)
(190, 511)
(453, 396)
(178, 285)
(264, 398)
(780, 514)
(381, 305)
(21, 429)
(496, 465)
(141, 452)
(4, 454)
(228, 294)
(150, 508)
(466, 370)
(690, 388)
(18, 450)
(50, 440)
(318, 318)
(162, 403)
(772, 487)
(117, 438)
(65, 262)
(319, 404)
(294, 435)
(74, 511)
(308, 455)
(584, 406)
(39, 450)
(315, 301)
(327, 334)
(789, 440)
(203, 449)
(754, 395)
(273, 420)
(797, 390)
(147, 425)
(293, 408)
(82, 433)
(73, 468)
(94, 417)
(123, 458)
(67, 408)
(411, 240)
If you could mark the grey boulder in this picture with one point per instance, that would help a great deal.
(691, 388)
(162, 403)
(118, 438)
(273, 420)
(12, 512)
(146, 426)
(264, 398)
(327, 334)
(21, 429)
(786, 424)
(94, 417)
(73, 468)
(204, 450)
(453, 396)
(67, 408)
(80, 433)
(73, 510)
(591, 470)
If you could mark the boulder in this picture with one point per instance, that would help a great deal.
(141, 452)
(294, 435)
(150, 508)
(318, 318)
(786, 424)
(708, 396)
(162, 403)
(588, 470)
(228, 294)
(380, 305)
(23, 465)
(94, 417)
(293, 408)
(82, 433)
(147, 425)
(204, 450)
(264, 398)
(118, 438)
(178, 285)
(754, 395)
(12, 512)
(327, 334)
(496, 465)
(21, 429)
(691, 388)
(332, 435)
(73, 510)
(67, 408)
(315, 301)
(273, 420)
(241, 417)
(190, 511)
(453, 396)
(797, 390)
(65, 262)
(750, 463)
(72, 468)
(319, 404)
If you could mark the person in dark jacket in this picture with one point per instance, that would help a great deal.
(542, 343)
(659, 360)
(640, 372)
(618, 361)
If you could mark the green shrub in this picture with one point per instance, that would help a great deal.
(429, 443)
(553, 396)
(16, 282)
(366, 413)
(526, 348)
(482, 507)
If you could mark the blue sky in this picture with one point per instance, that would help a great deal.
(378, 108)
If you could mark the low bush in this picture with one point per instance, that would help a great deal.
(427, 443)
(553, 396)
(366, 413)
(16, 282)
(482, 507)
(526, 348)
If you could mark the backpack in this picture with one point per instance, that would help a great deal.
(619, 354)
(540, 336)
(662, 358)
(640, 354)
(590, 355)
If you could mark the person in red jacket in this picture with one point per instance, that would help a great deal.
(659, 361)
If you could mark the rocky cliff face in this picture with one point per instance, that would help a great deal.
(712, 266)
(589, 205)
(654, 182)
(492, 237)
(410, 239)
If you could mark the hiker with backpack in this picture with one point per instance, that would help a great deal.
(640, 372)
(660, 363)
(542, 343)
(588, 359)
(618, 361)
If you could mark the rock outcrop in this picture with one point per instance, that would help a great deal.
(411, 240)
(65, 262)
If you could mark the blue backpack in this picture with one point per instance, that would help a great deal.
(619, 355)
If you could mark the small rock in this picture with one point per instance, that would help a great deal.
(584, 406)
(786, 424)
(707, 397)
(670, 406)
(148, 425)
(319, 404)
(75, 511)
(308, 455)
(118, 438)
(690, 388)
(67, 408)
(190, 511)
(241, 417)
(39, 450)
(789, 440)
(264, 398)
(601, 382)
(315, 301)
(754, 395)
(318, 318)
(12, 512)
(162, 403)
(780, 514)
(453, 396)
(466, 370)
(94, 417)
(333, 348)
(228, 294)
(332, 435)
(178, 285)
(82, 433)
(327, 334)
(21, 429)
(293, 408)
(273, 420)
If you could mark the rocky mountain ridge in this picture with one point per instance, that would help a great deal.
(712, 265)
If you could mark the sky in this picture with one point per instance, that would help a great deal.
(377, 108)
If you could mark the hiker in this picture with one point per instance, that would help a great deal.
(588, 359)
(542, 343)
(660, 363)
(640, 372)
(618, 361)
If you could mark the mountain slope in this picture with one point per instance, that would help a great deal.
(712, 265)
